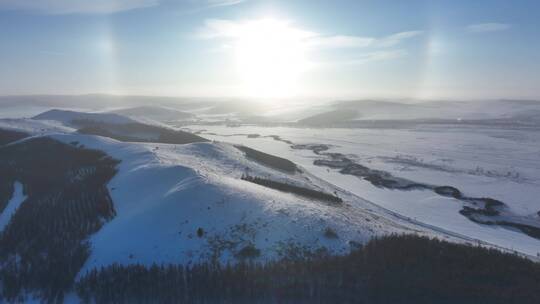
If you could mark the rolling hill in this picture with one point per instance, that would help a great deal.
(144, 203)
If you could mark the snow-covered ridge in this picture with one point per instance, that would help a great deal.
(68, 117)
(187, 203)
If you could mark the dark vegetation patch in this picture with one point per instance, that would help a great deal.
(394, 269)
(527, 229)
(278, 138)
(470, 212)
(248, 251)
(330, 233)
(305, 192)
(269, 160)
(45, 243)
(483, 216)
(448, 191)
(138, 132)
(8, 136)
(6, 189)
(200, 232)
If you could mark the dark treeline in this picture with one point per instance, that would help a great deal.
(44, 244)
(394, 269)
(306, 192)
(269, 160)
(131, 132)
(7, 136)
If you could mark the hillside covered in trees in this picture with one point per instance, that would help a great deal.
(8, 136)
(393, 269)
(44, 244)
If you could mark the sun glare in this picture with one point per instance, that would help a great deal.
(270, 57)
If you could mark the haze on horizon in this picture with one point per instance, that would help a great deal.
(271, 49)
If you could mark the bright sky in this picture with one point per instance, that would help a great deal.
(455, 49)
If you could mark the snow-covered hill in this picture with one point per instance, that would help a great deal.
(188, 203)
(71, 117)
(184, 204)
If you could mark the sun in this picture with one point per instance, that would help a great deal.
(270, 57)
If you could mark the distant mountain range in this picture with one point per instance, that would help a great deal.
(307, 113)
(360, 112)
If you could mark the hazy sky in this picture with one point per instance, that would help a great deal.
(415, 49)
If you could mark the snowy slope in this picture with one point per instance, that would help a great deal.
(164, 193)
(14, 203)
(34, 126)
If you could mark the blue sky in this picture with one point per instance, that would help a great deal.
(329, 49)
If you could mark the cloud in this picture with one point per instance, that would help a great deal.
(195, 6)
(217, 3)
(397, 38)
(341, 41)
(380, 55)
(229, 29)
(487, 27)
(370, 57)
(218, 28)
(75, 6)
(318, 49)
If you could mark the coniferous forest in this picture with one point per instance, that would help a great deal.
(286, 187)
(8, 136)
(393, 269)
(44, 245)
